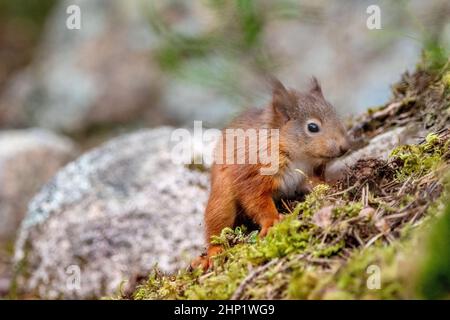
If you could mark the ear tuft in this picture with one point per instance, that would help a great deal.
(315, 87)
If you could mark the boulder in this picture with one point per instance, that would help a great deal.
(28, 159)
(110, 216)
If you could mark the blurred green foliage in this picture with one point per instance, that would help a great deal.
(435, 276)
(239, 31)
(33, 12)
(250, 20)
(215, 56)
(21, 25)
(435, 56)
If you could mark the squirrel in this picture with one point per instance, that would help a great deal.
(310, 135)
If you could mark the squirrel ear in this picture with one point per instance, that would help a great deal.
(315, 87)
(282, 101)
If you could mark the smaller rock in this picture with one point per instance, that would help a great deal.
(28, 159)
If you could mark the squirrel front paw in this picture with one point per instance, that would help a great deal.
(269, 223)
(205, 261)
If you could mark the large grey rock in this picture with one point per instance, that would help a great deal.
(28, 159)
(113, 213)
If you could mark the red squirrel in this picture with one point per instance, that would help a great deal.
(310, 135)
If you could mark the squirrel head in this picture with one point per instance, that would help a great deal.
(309, 125)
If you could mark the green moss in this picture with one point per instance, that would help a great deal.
(312, 202)
(329, 250)
(418, 160)
(446, 79)
(289, 236)
(354, 276)
(306, 283)
(292, 237)
(350, 280)
(349, 210)
(434, 56)
(398, 261)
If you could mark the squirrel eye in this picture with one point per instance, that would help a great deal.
(313, 127)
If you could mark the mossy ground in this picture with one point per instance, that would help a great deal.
(367, 237)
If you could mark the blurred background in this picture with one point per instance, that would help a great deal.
(141, 63)
(169, 62)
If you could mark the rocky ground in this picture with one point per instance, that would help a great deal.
(387, 215)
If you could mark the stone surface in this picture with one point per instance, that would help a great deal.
(28, 159)
(379, 147)
(113, 213)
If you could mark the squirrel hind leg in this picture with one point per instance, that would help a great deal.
(220, 213)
